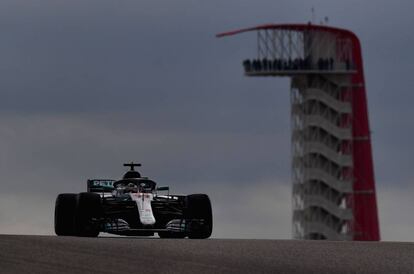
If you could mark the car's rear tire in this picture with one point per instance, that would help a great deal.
(198, 206)
(65, 208)
(88, 213)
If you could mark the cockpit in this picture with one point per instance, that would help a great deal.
(132, 182)
(134, 185)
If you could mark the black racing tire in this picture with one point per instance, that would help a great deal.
(198, 206)
(88, 211)
(65, 208)
(171, 235)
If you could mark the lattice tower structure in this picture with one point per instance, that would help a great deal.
(332, 168)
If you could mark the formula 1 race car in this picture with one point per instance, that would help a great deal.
(132, 206)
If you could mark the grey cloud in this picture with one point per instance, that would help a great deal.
(44, 154)
(395, 206)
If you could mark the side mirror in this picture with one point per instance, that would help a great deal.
(163, 188)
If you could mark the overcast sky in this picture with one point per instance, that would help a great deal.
(88, 85)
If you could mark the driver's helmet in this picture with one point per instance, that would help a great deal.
(132, 174)
(131, 187)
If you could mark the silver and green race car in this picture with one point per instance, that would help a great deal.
(132, 206)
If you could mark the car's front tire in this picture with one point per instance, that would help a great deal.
(198, 206)
(65, 209)
(88, 212)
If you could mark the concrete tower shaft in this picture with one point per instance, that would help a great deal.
(332, 169)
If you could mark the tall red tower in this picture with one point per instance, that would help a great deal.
(332, 168)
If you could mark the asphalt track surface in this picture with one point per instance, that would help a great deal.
(50, 254)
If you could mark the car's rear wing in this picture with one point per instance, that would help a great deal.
(100, 185)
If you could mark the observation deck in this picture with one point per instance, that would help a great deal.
(284, 67)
